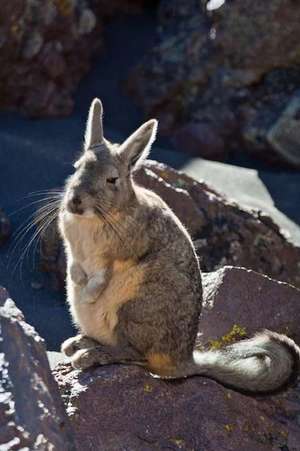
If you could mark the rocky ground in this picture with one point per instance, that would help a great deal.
(118, 407)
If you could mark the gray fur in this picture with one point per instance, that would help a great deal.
(133, 278)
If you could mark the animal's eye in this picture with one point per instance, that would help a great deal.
(112, 180)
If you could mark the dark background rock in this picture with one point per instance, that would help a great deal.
(32, 415)
(115, 407)
(200, 138)
(235, 68)
(46, 48)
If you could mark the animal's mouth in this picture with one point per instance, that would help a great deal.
(75, 210)
(80, 211)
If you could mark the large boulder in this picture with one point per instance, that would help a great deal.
(117, 407)
(222, 74)
(32, 414)
(224, 232)
(46, 48)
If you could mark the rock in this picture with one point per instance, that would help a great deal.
(269, 129)
(273, 44)
(200, 139)
(52, 256)
(240, 302)
(46, 48)
(233, 65)
(224, 232)
(55, 358)
(284, 136)
(32, 415)
(253, 189)
(117, 407)
(5, 227)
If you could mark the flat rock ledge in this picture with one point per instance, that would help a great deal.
(123, 408)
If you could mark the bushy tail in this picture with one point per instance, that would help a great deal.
(266, 363)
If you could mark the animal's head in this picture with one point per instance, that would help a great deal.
(102, 179)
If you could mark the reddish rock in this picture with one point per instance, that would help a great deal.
(248, 300)
(32, 414)
(117, 407)
(234, 67)
(224, 232)
(46, 48)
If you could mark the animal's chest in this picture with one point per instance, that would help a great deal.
(87, 245)
(125, 277)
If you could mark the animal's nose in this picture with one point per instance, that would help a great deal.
(75, 200)
(75, 203)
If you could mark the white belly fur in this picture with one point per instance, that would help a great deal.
(85, 244)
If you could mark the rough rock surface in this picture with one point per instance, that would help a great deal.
(248, 300)
(32, 415)
(45, 49)
(224, 233)
(284, 136)
(5, 227)
(117, 407)
(232, 70)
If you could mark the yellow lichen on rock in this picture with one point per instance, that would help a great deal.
(237, 332)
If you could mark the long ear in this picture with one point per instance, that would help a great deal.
(94, 127)
(136, 148)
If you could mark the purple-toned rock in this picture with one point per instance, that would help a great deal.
(117, 407)
(224, 232)
(32, 414)
(233, 65)
(239, 302)
(200, 139)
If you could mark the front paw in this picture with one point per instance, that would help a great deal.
(78, 275)
(94, 287)
(82, 359)
(73, 344)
